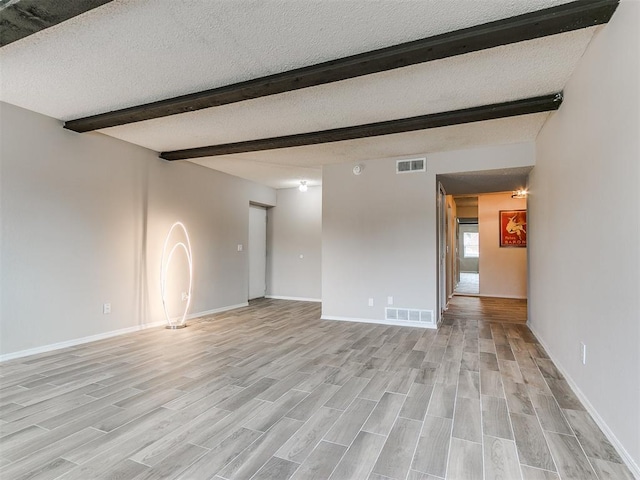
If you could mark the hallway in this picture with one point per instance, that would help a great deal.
(270, 391)
(469, 284)
(487, 309)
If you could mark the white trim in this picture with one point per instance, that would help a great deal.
(79, 341)
(102, 336)
(631, 464)
(216, 310)
(295, 299)
(398, 323)
(514, 297)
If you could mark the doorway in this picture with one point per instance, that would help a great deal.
(483, 197)
(468, 257)
(257, 252)
(442, 233)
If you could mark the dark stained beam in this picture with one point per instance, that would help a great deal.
(476, 114)
(551, 21)
(21, 18)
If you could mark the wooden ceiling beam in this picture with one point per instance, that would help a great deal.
(21, 18)
(456, 117)
(550, 21)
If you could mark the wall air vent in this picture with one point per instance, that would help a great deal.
(412, 165)
(410, 316)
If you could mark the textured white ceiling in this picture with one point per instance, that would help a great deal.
(293, 160)
(130, 52)
(135, 51)
(500, 180)
(512, 72)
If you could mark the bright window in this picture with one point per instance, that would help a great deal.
(471, 243)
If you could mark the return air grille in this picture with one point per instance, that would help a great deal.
(411, 315)
(410, 166)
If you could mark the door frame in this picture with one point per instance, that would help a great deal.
(249, 247)
(442, 229)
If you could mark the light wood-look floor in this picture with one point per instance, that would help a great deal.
(469, 284)
(487, 309)
(273, 392)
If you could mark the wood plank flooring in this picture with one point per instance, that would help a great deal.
(488, 309)
(469, 284)
(272, 392)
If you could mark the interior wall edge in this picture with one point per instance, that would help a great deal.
(335, 318)
(102, 336)
(294, 299)
(78, 341)
(84, 219)
(628, 459)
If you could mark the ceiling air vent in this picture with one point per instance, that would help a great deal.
(411, 165)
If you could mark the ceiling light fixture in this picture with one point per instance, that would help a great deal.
(303, 186)
(521, 193)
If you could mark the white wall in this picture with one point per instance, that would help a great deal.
(584, 217)
(503, 271)
(376, 239)
(84, 217)
(294, 229)
(467, 212)
(379, 229)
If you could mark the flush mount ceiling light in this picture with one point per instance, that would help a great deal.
(522, 193)
(166, 261)
(303, 186)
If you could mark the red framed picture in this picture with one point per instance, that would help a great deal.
(513, 228)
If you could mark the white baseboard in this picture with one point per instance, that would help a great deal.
(630, 462)
(102, 336)
(397, 323)
(78, 341)
(295, 299)
(515, 297)
(216, 310)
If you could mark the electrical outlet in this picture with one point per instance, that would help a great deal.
(240, 247)
(371, 302)
(185, 296)
(106, 309)
(583, 353)
(389, 300)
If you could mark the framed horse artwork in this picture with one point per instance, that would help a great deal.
(513, 228)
